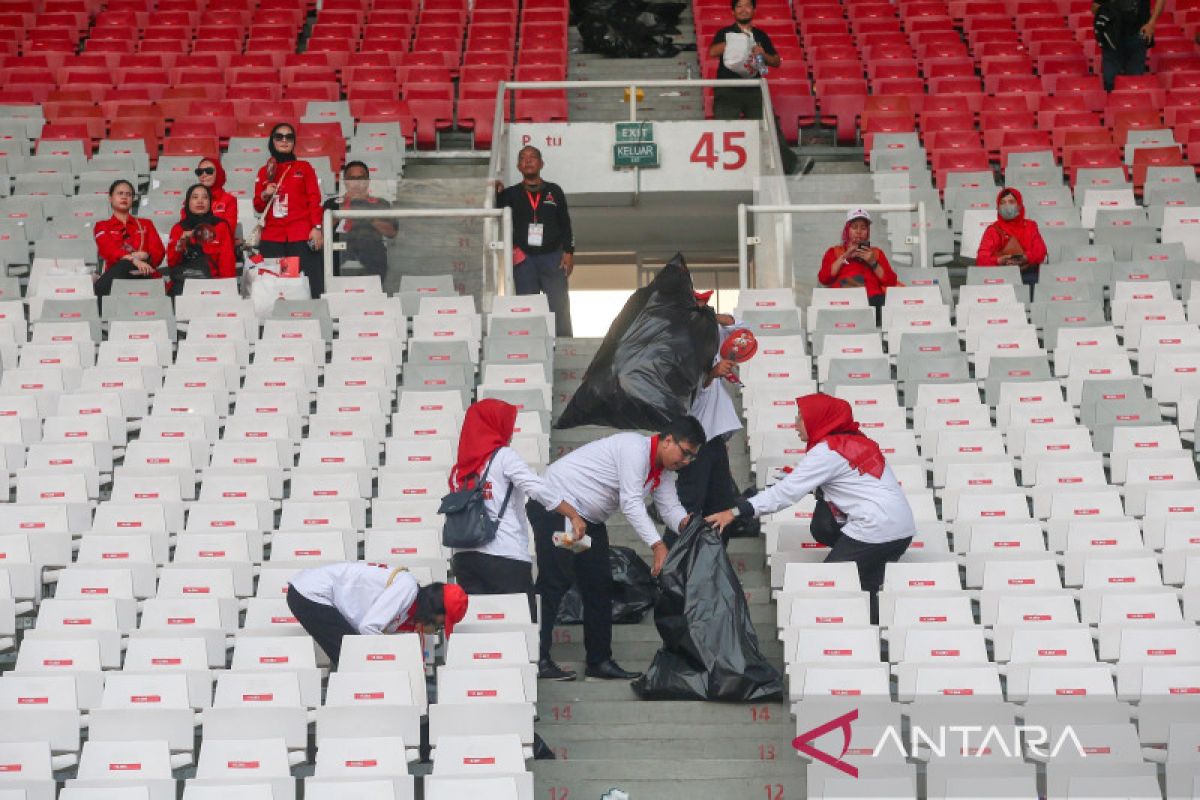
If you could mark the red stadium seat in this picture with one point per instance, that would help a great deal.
(540, 72)
(386, 111)
(1146, 157)
(432, 106)
(532, 105)
(1076, 158)
(911, 89)
(1125, 121)
(841, 102)
(136, 129)
(1026, 141)
(477, 112)
(995, 124)
(190, 146)
(220, 115)
(130, 95)
(949, 161)
(68, 132)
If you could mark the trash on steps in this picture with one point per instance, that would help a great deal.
(710, 650)
(634, 591)
(627, 28)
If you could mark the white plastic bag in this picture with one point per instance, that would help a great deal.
(737, 54)
(264, 285)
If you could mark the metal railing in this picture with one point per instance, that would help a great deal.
(497, 253)
(785, 270)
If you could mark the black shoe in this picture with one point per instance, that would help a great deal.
(609, 671)
(549, 671)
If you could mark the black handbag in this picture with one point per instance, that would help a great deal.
(467, 522)
(195, 264)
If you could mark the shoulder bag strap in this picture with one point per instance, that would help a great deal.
(262, 218)
(507, 495)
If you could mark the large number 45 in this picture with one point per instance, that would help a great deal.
(705, 151)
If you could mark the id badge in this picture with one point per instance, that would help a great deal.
(279, 209)
(535, 234)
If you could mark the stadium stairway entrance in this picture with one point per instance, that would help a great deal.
(605, 738)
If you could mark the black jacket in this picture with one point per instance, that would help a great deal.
(551, 212)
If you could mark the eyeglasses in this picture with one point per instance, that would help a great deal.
(284, 137)
(202, 171)
(688, 455)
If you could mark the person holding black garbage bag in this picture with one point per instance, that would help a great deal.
(868, 518)
(600, 478)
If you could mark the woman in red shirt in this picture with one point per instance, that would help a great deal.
(211, 174)
(856, 263)
(128, 247)
(201, 244)
(286, 189)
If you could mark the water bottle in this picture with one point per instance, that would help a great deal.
(761, 65)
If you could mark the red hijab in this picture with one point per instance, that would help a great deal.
(830, 420)
(487, 427)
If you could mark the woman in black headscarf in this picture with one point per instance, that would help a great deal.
(286, 190)
(201, 244)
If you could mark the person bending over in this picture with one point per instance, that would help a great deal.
(872, 522)
(356, 597)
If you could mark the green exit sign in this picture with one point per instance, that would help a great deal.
(635, 132)
(637, 154)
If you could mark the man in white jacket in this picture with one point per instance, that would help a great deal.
(600, 478)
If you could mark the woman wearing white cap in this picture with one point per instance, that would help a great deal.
(856, 263)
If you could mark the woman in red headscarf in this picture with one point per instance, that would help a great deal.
(1012, 240)
(856, 263)
(210, 173)
(874, 522)
(503, 565)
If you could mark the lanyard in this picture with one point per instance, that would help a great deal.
(141, 234)
(534, 203)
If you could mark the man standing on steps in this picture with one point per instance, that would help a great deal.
(543, 244)
(744, 52)
(600, 478)
(706, 486)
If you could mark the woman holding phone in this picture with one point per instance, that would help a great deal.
(856, 263)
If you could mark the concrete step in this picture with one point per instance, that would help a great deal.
(668, 741)
(557, 782)
(682, 712)
(636, 655)
(651, 770)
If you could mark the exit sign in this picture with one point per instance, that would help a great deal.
(637, 154)
(635, 132)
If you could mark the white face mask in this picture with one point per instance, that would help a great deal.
(1009, 212)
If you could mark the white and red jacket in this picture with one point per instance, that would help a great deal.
(613, 473)
(359, 591)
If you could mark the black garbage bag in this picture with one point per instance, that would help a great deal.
(710, 650)
(627, 28)
(651, 361)
(634, 591)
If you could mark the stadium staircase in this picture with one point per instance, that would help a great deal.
(657, 104)
(604, 737)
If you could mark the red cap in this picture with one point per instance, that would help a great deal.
(455, 601)
(703, 297)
